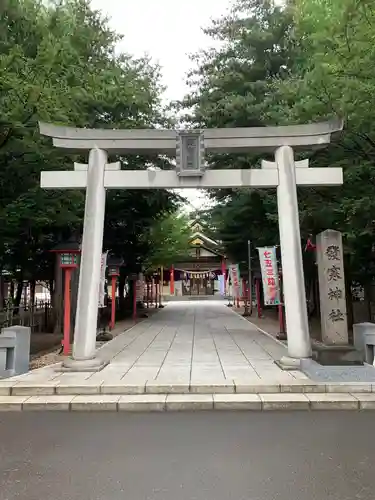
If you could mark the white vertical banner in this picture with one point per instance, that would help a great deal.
(227, 288)
(221, 280)
(234, 271)
(103, 266)
(139, 287)
(270, 275)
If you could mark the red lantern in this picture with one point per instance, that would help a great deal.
(68, 260)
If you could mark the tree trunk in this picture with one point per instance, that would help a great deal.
(18, 297)
(367, 293)
(1, 289)
(121, 287)
(5, 294)
(32, 293)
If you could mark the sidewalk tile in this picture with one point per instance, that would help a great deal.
(180, 402)
(95, 403)
(48, 403)
(284, 401)
(366, 400)
(299, 375)
(144, 402)
(5, 387)
(121, 388)
(237, 402)
(207, 387)
(256, 388)
(332, 401)
(301, 386)
(12, 403)
(349, 387)
(73, 378)
(167, 387)
(77, 389)
(34, 388)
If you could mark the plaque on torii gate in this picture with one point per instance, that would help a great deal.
(190, 147)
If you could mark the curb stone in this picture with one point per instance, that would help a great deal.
(190, 402)
(21, 388)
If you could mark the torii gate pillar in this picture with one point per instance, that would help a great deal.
(299, 345)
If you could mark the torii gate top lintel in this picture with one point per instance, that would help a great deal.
(262, 139)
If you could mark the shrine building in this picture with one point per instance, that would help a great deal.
(197, 274)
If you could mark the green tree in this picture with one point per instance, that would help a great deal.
(232, 87)
(332, 76)
(168, 240)
(58, 64)
(307, 61)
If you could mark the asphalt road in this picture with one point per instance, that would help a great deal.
(187, 456)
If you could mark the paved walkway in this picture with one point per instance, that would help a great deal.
(186, 343)
(193, 342)
(189, 356)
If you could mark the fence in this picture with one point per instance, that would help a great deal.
(37, 316)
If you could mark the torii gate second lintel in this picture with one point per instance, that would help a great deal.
(284, 174)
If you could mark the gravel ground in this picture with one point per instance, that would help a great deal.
(52, 356)
(38, 361)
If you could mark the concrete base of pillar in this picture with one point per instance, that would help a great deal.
(247, 313)
(336, 355)
(82, 365)
(281, 336)
(287, 363)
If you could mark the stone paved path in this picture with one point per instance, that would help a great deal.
(192, 342)
(186, 343)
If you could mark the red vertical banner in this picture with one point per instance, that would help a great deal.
(66, 341)
(171, 281)
(135, 299)
(268, 266)
(113, 308)
(257, 285)
(223, 268)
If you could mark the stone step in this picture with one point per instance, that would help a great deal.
(190, 402)
(152, 387)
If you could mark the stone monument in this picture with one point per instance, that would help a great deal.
(333, 315)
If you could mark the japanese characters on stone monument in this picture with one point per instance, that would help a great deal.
(332, 288)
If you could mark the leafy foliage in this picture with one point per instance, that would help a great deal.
(58, 64)
(232, 87)
(307, 61)
(168, 240)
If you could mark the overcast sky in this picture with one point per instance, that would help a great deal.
(168, 31)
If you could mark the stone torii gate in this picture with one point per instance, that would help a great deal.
(189, 147)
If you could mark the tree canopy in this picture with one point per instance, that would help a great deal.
(168, 240)
(305, 61)
(58, 64)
